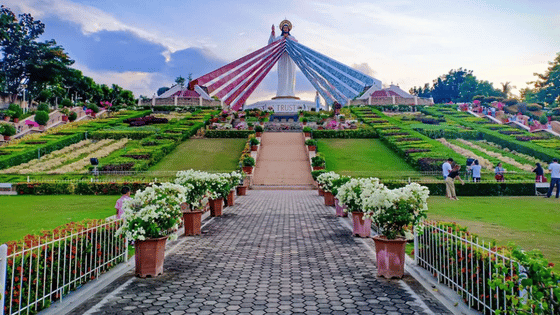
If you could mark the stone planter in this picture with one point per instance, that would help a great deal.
(329, 199)
(311, 147)
(192, 222)
(216, 207)
(149, 256)
(339, 209)
(241, 190)
(361, 226)
(230, 201)
(390, 256)
(248, 169)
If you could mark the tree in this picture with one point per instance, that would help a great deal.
(506, 88)
(180, 80)
(162, 90)
(547, 86)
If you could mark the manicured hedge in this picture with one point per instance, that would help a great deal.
(366, 132)
(450, 133)
(228, 133)
(479, 189)
(119, 134)
(84, 188)
(14, 159)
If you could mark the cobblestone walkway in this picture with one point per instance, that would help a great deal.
(279, 252)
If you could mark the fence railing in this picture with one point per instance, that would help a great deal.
(465, 264)
(43, 269)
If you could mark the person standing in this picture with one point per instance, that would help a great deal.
(539, 171)
(125, 192)
(554, 168)
(450, 182)
(446, 167)
(475, 168)
(499, 172)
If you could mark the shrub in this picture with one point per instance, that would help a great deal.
(259, 128)
(93, 107)
(248, 161)
(17, 111)
(510, 101)
(317, 161)
(7, 130)
(42, 117)
(254, 141)
(72, 116)
(534, 107)
(66, 103)
(43, 107)
(311, 142)
(228, 133)
(316, 173)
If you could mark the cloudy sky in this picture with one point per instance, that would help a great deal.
(144, 45)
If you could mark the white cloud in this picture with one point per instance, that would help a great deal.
(91, 20)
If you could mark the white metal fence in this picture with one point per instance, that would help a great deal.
(465, 264)
(43, 269)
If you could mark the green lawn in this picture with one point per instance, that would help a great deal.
(22, 215)
(203, 154)
(530, 222)
(363, 157)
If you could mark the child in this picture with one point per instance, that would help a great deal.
(125, 191)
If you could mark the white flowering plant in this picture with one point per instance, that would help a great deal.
(154, 212)
(198, 182)
(352, 192)
(393, 210)
(326, 180)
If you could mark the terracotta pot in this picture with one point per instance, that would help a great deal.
(216, 207)
(304, 123)
(251, 128)
(307, 134)
(6, 138)
(258, 133)
(248, 169)
(192, 221)
(339, 209)
(254, 147)
(230, 201)
(64, 118)
(321, 191)
(362, 226)
(6, 118)
(315, 168)
(149, 256)
(311, 147)
(390, 256)
(241, 190)
(16, 120)
(329, 199)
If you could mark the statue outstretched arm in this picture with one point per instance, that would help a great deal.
(272, 36)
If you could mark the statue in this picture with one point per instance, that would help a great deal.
(286, 66)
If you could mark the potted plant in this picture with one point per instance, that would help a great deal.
(351, 195)
(197, 199)
(326, 181)
(72, 116)
(219, 188)
(150, 218)
(235, 179)
(16, 110)
(315, 175)
(307, 131)
(65, 111)
(392, 210)
(7, 114)
(241, 188)
(254, 144)
(311, 144)
(250, 126)
(259, 130)
(42, 118)
(336, 184)
(262, 120)
(318, 163)
(304, 120)
(248, 163)
(7, 131)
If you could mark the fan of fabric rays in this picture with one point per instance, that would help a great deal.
(236, 81)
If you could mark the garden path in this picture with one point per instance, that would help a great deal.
(273, 252)
(282, 162)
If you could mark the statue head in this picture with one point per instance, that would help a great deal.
(285, 27)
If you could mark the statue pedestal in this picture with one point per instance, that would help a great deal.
(283, 105)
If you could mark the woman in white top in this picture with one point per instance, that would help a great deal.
(476, 171)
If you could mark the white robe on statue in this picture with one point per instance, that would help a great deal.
(286, 71)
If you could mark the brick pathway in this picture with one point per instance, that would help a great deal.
(282, 161)
(279, 252)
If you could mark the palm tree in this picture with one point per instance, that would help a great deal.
(506, 88)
